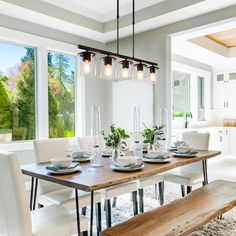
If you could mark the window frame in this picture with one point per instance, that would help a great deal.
(42, 46)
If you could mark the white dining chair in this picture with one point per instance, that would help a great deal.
(191, 174)
(114, 191)
(51, 193)
(15, 216)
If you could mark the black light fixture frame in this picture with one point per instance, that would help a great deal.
(117, 54)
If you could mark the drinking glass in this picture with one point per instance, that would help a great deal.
(71, 147)
(164, 121)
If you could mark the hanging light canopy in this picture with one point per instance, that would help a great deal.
(115, 65)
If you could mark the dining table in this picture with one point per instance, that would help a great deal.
(91, 179)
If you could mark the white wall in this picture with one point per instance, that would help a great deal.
(126, 95)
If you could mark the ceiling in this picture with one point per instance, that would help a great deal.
(227, 38)
(95, 19)
(105, 10)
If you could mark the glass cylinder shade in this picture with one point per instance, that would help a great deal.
(164, 121)
(125, 69)
(137, 130)
(87, 64)
(108, 67)
(152, 73)
(140, 71)
(95, 126)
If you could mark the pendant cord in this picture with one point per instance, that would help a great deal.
(118, 26)
(133, 23)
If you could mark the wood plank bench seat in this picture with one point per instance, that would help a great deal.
(182, 216)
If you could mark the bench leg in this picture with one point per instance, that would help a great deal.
(114, 202)
(156, 196)
(85, 233)
(140, 193)
(183, 190)
(135, 202)
(99, 217)
(189, 189)
(83, 211)
(161, 193)
(108, 212)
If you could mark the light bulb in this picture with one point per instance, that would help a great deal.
(86, 67)
(152, 77)
(125, 73)
(140, 74)
(108, 70)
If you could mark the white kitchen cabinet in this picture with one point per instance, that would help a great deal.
(224, 87)
(232, 141)
(219, 91)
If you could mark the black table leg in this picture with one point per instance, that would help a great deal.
(204, 167)
(31, 193)
(91, 215)
(99, 217)
(35, 193)
(77, 211)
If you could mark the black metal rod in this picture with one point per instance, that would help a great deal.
(205, 174)
(31, 193)
(116, 55)
(77, 210)
(91, 214)
(133, 23)
(35, 193)
(118, 26)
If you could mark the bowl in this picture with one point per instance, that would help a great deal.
(178, 143)
(158, 153)
(184, 149)
(127, 160)
(61, 162)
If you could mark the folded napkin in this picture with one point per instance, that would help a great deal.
(157, 157)
(128, 165)
(54, 168)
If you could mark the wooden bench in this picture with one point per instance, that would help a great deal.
(182, 216)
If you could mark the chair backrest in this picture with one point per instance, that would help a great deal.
(46, 149)
(15, 219)
(198, 141)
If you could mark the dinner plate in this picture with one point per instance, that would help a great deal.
(193, 154)
(65, 171)
(156, 160)
(126, 169)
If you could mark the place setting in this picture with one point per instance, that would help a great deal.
(160, 156)
(185, 150)
(62, 166)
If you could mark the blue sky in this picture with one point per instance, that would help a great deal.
(11, 54)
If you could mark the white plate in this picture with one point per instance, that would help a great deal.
(185, 154)
(125, 169)
(66, 171)
(157, 160)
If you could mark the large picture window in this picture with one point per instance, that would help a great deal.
(61, 94)
(17, 92)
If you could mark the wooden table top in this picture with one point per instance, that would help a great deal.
(104, 176)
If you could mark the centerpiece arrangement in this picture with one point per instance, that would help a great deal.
(115, 140)
(154, 136)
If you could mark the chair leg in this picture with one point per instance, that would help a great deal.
(161, 193)
(99, 217)
(114, 202)
(156, 196)
(108, 212)
(183, 190)
(85, 233)
(140, 193)
(135, 202)
(189, 189)
(40, 206)
(83, 212)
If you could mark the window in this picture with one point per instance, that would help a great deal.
(17, 92)
(181, 93)
(201, 98)
(61, 94)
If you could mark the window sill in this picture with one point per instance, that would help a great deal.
(16, 146)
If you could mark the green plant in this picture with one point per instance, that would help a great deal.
(116, 137)
(154, 134)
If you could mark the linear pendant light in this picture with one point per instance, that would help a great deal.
(116, 66)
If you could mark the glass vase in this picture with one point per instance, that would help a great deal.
(115, 154)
